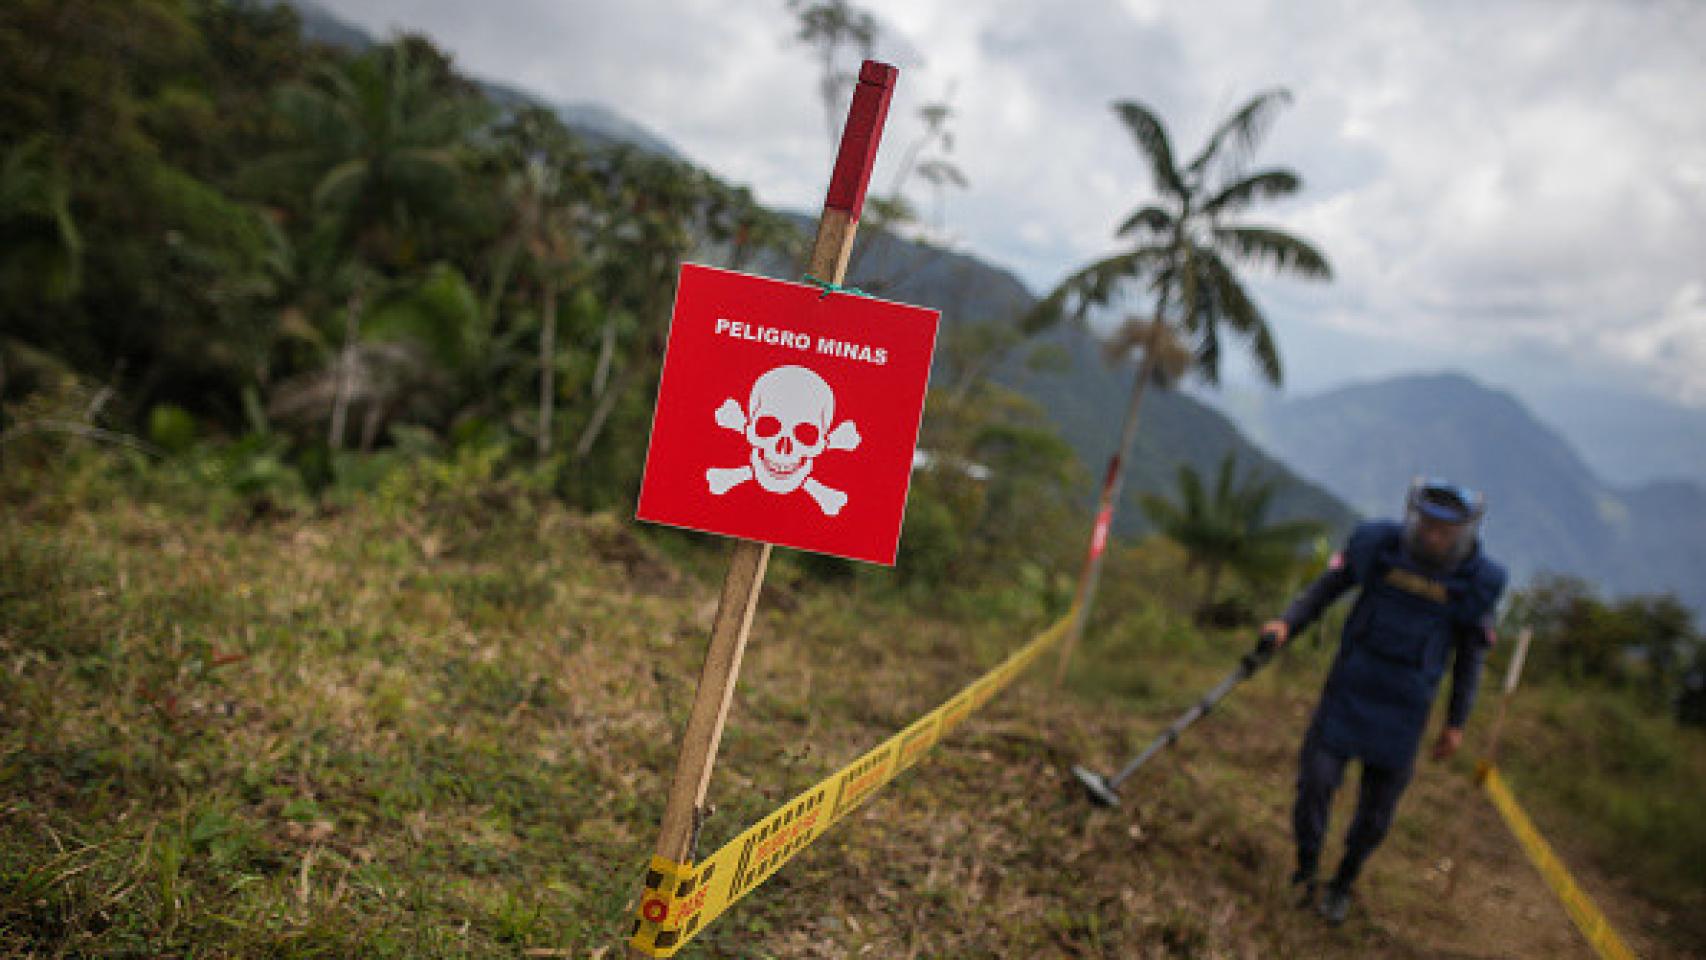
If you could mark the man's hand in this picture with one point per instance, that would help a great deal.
(1271, 638)
(1450, 739)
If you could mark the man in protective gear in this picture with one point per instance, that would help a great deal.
(1428, 598)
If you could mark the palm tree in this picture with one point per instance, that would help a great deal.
(659, 212)
(656, 203)
(542, 236)
(378, 148)
(1184, 248)
(1226, 528)
(41, 251)
(415, 356)
(549, 235)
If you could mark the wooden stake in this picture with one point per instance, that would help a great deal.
(711, 700)
(1513, 673)
(684, 810)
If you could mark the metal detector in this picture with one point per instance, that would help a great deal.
(1106, 790)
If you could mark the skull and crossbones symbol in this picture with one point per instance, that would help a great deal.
(787, 421)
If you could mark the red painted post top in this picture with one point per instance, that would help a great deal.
(860, 137)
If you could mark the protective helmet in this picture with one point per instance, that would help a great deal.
(1452, 514)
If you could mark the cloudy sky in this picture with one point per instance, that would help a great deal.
(1513, 189)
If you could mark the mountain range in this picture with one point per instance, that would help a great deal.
(1079, 391)
(1628, 437)
(1547, 510)
(1335, 456)
(1345, 453)
(593, 121)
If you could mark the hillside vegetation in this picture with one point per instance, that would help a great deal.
(436, 718)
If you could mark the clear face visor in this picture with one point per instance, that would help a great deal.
(1442, 522)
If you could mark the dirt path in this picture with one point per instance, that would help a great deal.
(990, 850)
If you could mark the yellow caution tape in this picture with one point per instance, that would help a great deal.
(682, 899)
(1582, 910)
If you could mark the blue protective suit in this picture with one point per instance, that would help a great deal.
(1405, 628)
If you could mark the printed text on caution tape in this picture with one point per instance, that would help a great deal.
(680, 900)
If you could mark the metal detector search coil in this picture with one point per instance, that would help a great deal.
(1106, 790)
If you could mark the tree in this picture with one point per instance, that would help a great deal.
(1227, 528)
(929, 158)
(1649, 639)
(378, 144)
(547, 190)
(1184, 248)
(831, 27)
(1566, 615)
(116, 255)
(1664, 632)
(1691, 697)
(41, 252)
(378, 149)
(660, 211)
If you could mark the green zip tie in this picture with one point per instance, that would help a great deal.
(829, 288)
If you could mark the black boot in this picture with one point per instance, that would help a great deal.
(1336, 904)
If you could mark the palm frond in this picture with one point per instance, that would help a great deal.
(1161, 512)
(1223, 492)
(940, 173)
(1228, 528)
(1269, 246)
(1287, 534)
(1240, 133)
(338, 182)
(1239, 312)
(1150, 218)
(1208, 355)
(1265, 185)
(1267, 355)
(1151, 138)
(1253, 500)
(1190, 490)
(1094, 285)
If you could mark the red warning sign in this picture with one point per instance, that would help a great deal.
(787, 415)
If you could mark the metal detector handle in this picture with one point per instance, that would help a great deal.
(1258, 658)
(1170, 736)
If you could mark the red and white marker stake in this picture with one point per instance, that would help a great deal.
(836, 229)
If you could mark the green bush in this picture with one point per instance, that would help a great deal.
(171, 428)
(930, 540)
(1631, 781)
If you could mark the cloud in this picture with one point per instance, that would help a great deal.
(1671, 348)
(1521, 176)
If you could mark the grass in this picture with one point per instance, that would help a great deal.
(435, 719)
(1628, 795)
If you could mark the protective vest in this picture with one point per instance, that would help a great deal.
(1398, 640)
